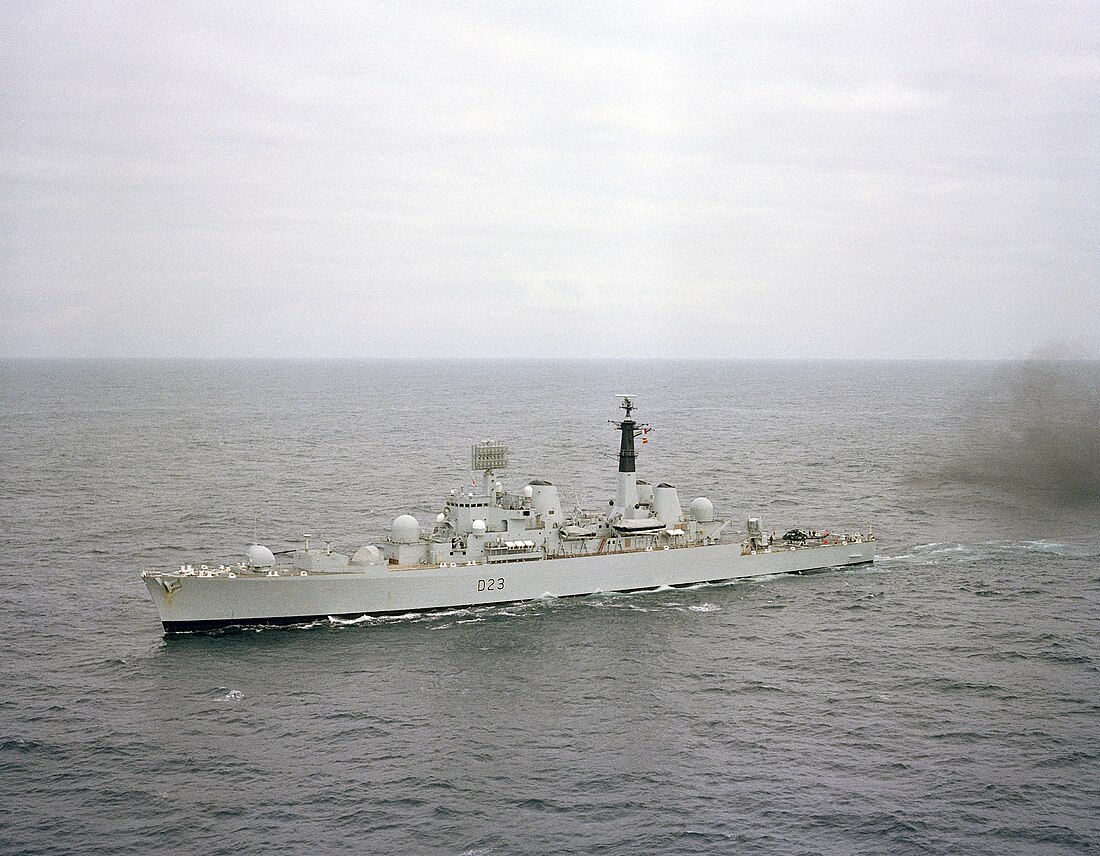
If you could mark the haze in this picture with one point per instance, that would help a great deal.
(696, 180)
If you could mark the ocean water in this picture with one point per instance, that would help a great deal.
(944, 700)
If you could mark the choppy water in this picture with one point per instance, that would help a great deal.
(945, 700)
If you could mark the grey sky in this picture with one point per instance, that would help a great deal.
(494, 179)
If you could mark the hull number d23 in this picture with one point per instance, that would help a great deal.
(491, 585)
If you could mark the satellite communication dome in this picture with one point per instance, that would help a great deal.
(479, 527)
(405, 530)
(702, 509)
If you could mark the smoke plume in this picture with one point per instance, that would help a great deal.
(1049, 441)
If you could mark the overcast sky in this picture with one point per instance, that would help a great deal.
(591, 179)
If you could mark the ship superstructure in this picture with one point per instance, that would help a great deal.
(488, 525)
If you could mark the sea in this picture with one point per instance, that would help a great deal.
(944, 700)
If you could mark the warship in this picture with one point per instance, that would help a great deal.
(489, 546)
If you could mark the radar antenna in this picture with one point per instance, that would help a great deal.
(488, 456)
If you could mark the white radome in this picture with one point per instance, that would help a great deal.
(701, 509)
(405, 530)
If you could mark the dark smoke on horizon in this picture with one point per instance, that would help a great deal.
(1049, 446)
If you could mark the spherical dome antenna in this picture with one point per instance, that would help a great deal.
(701, 509)
(405, 530)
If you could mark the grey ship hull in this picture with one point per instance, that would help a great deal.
(195, 602)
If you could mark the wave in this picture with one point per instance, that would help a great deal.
(937, 553)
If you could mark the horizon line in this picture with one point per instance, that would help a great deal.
(544, 359)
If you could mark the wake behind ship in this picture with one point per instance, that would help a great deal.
(489, 546)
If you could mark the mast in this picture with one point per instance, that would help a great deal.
(627, 455)
(626, 497)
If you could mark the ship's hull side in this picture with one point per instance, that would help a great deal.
(190, 603)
